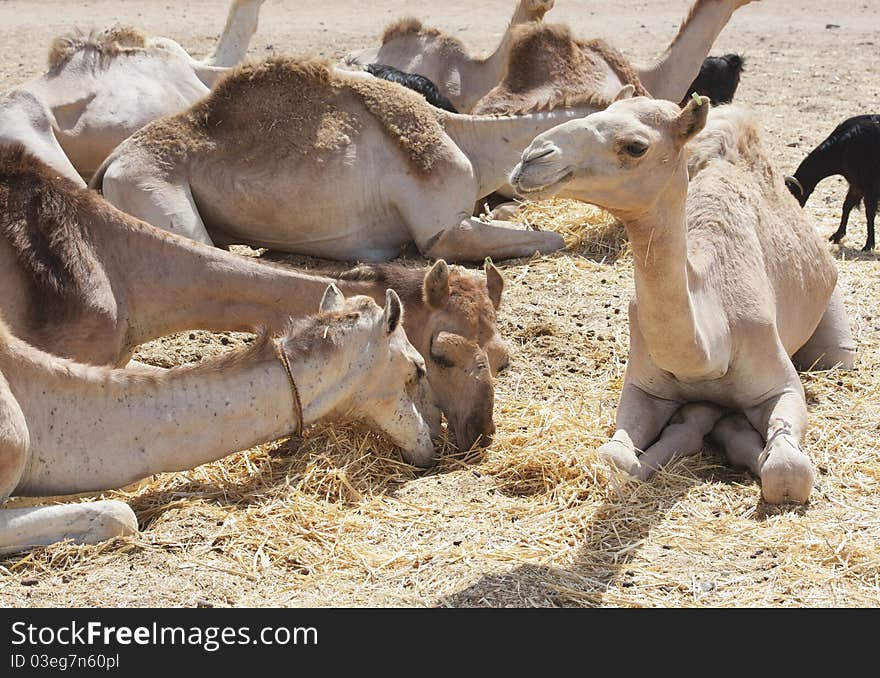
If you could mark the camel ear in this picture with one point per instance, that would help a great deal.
(435, 289)
(625, 92)
(494, 283)
(692, 118)
(393, 311)
(333, 299)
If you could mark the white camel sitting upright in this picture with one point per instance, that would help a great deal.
(68, 428)
(463, 79)
(102, 87)
(731, 280)
(301, 157)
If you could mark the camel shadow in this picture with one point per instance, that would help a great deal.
(615, 535)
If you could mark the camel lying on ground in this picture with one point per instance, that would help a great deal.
(103, 86)
(67, 428)
(301, 157)
(88, 282)
(462, 78)
(547, 65)
(731, 280)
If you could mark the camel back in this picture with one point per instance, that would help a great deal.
(548, 68)
(43, 218)
(110, 42)
(283, 107)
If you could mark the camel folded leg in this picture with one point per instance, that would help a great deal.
(832, 344)
(24, 528)
(640, 419)
(785, 471)
(164, 204)
(474, 240)
(682, 437)
(740, 442)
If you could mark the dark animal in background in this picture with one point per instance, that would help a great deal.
(417, 83)
(718, 79)
(853, 150)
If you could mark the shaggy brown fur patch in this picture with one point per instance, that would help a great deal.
(548, 68)
(110, 42)
(40, 219)
(284, 107)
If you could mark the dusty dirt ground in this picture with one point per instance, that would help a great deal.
(536, 520)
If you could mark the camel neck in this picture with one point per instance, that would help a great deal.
(680, 64)
(494, 144)
(172, 284)
(241, 24)
(94, 429)
(668, 309)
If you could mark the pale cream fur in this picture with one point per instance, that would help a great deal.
(731, 279)
(102, 86)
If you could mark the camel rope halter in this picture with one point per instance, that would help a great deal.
(297, 403)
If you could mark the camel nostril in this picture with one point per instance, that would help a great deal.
(538, 154)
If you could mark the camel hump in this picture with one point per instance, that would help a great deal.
(40, 220)
(284, 106)
(109, 42)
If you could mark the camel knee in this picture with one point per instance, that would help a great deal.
(786, 472)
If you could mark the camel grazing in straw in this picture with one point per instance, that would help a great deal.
(67, 428)
(464, 79)
(730, 281)
(301, 157)
(547, 65)
(103, 86)
(85, 281)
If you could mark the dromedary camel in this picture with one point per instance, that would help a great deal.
(301, 157)
(464, 79)
(103, 86)
(85, 281)
(547, 65)
(67, 428)
(730, 280)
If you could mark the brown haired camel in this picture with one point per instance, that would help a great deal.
(67, 428)
(730, 281)
(301, 157)
(462, 78)
(547, 65)
(88, 282)
(103, 86)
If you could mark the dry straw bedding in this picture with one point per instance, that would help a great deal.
(537, 520)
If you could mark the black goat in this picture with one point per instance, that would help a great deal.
(417, 83)
(718, 79)
(853, 150)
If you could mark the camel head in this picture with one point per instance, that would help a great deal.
(463, 348)
(372, 371)
(621, 158)
(451, 319)
(534, 10)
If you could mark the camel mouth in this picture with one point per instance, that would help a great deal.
(546, 188)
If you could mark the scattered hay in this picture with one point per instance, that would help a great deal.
(338, 519)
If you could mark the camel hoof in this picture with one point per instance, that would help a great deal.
(624, 458)
(786, 474)
(110, 519)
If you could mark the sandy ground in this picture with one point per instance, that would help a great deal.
(537, 520)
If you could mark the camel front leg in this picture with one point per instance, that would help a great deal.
(785, 471)
(640, 419)
(832, 344)
(474, 240)
(164, 204)
(683, 437)
(89, 523)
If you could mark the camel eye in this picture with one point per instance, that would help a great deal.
(636, 148)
